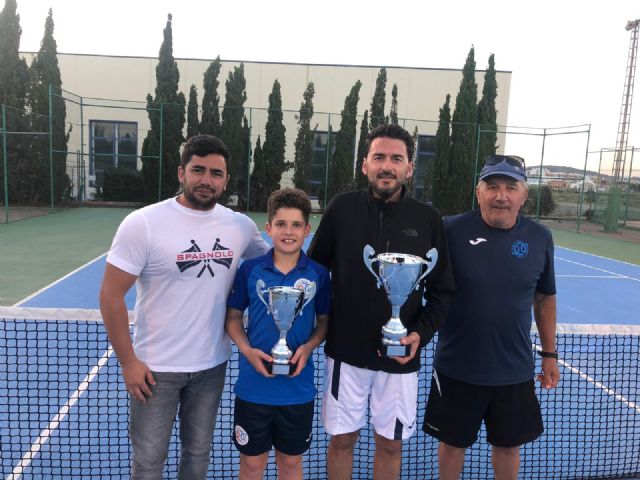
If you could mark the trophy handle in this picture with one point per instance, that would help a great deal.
(367, 253)
(260, 290)
(309, 294)
(432, 259)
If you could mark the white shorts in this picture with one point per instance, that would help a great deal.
(394, 400)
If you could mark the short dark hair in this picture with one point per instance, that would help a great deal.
(391, 130)
(203, 145)
(289, 198)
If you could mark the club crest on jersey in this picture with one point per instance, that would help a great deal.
(309, 288)
(519, 249)
(193, 256)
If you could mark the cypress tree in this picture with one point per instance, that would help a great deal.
(360, 178)
(13, 69)
(487, 114)
(393, 114)
(273, 149)
(259, 190)
(193, 126)
(463, 136)
(377, 117)
(210, 121)
(442, 186)
(232, 132)
(44, 72)
(341, 167)
(172, 104)
(304, 142)
(13, 92)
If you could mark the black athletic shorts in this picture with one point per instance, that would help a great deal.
(258, 427)
(455, 411)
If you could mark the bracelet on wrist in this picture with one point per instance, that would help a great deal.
(544, 354)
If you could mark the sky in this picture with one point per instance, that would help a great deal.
(568, 58)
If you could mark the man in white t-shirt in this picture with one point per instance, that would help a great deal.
(182, 253)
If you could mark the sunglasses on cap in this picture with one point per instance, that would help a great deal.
(512, 160)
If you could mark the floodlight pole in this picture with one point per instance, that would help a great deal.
(625, 109)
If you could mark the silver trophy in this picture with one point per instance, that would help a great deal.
(284, 304)
(400, 274)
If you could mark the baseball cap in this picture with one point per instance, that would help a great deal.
(508, 165)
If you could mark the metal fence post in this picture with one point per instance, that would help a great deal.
(51, 143)
(5, 178)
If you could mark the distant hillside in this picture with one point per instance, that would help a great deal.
(561, 169)
(578, 171)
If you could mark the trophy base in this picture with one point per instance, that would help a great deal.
(281, 368)
(395, 350)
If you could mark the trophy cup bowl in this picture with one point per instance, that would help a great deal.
(283, 303)
(399, 274)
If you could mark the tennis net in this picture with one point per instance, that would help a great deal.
(64, 411)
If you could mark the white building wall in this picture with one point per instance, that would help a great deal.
(421, 91)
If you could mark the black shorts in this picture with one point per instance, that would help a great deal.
(258, 427)
(455, 411)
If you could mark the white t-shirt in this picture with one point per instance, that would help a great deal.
(185, 261)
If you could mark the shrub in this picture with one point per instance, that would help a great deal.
(547, 203)
(122, 185)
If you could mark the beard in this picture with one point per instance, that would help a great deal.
(199, 203)
(388, 192)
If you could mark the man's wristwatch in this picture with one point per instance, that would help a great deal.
(544, 354)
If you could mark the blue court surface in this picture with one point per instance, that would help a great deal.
(66, 412)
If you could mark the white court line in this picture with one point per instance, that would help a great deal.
(601, 386)
(598, 269)
(599, 256)
(24, 300)
(596, 384)
(60, 417)
(593, 276)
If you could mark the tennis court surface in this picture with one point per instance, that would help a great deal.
(63, 411)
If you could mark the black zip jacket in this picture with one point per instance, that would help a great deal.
(351, 221)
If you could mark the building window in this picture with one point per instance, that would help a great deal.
(319, 162)
(112, 144)
(423, 168)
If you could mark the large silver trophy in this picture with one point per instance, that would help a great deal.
(284, 304)
(400, 274)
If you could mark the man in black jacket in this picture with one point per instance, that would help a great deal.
(383, 218)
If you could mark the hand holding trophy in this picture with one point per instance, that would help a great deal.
(400, 274)
(284, 304)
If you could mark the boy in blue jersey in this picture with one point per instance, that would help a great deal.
(277, 410)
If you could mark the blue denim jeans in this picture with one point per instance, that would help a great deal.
(195, 396)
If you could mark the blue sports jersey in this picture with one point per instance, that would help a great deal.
(485, 339)
(263, 334)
